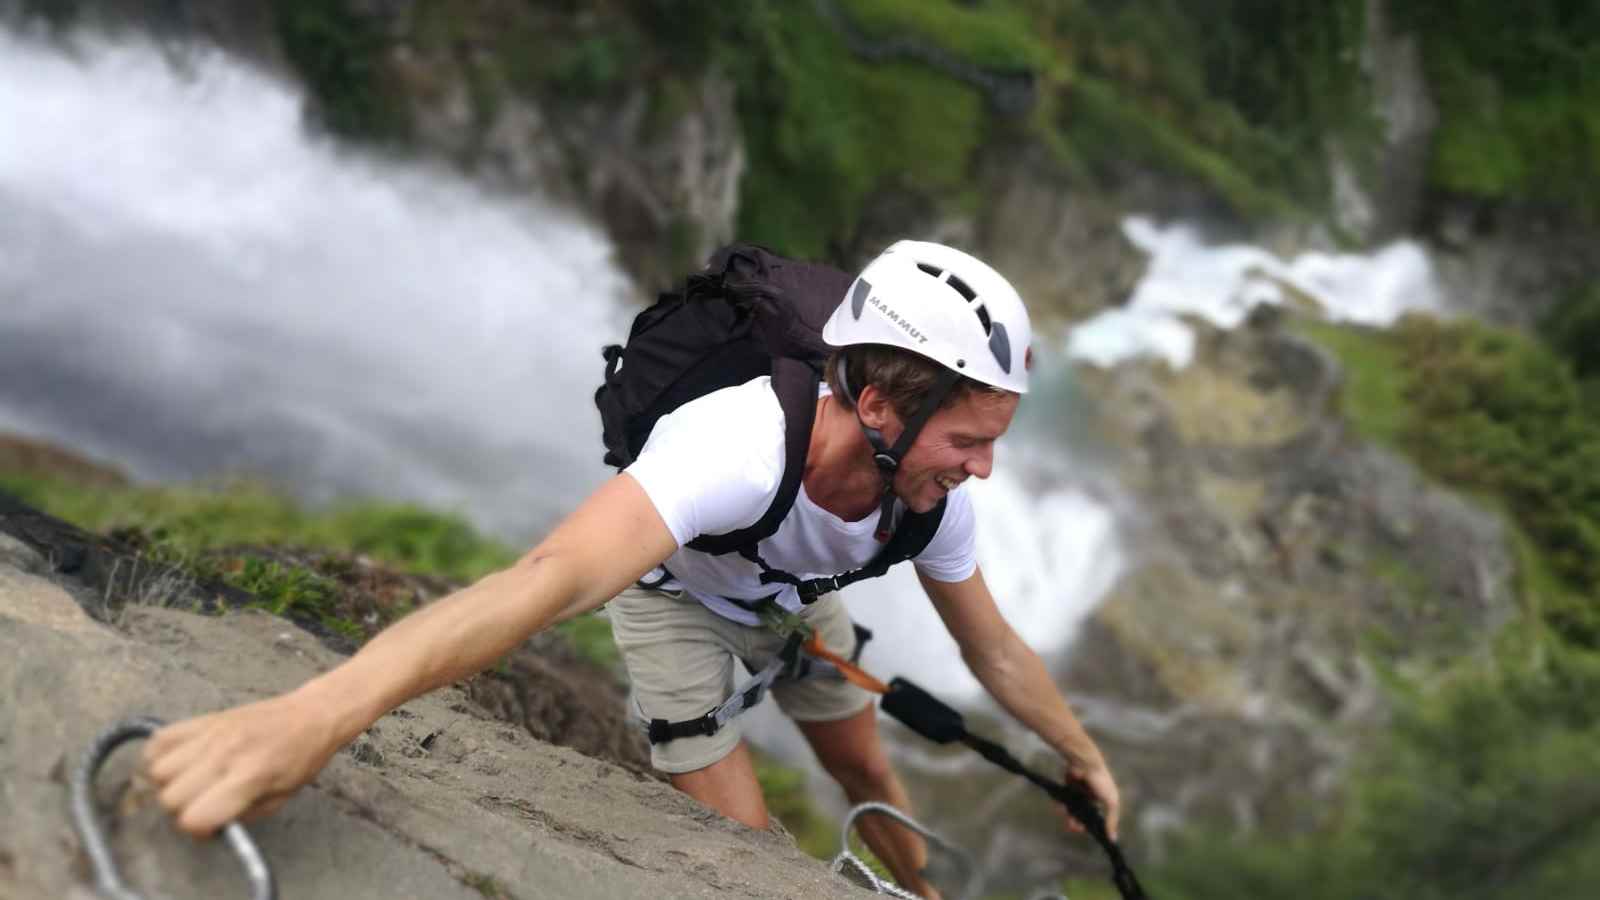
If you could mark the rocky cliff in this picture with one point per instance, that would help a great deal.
(1282, 558)
(445, 797)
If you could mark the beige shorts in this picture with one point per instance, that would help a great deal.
(680, 658)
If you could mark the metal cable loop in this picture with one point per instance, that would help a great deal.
(108, 880)
(970, 889)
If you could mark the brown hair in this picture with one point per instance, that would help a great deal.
(904, 376)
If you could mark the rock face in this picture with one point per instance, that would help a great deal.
(439, 799)
(1278, 558)
(667, 197)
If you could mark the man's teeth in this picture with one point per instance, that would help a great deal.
(948, 484)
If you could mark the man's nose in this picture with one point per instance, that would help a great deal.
(981, 463)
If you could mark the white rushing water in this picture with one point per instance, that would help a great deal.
(1221, 284)
(190, 285)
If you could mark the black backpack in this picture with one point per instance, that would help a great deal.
(749, 313)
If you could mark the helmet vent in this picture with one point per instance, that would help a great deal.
(963, 289)
(983, 316)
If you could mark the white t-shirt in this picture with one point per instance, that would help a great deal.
(713, 466)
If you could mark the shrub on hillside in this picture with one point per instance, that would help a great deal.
(1498, 413)
(1484, 789)
(1573, 330)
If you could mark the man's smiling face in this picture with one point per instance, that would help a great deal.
(957, 443)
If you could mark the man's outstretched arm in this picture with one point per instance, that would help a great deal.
(247, 761)
(1017, 678)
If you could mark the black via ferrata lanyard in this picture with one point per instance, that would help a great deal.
(930, 717)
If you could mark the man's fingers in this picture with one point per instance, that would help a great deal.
(224, 800)
(167, 737)
(175, 757)
(183, 786)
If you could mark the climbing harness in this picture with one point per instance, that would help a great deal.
(802, 656)
(846, 857)
(107, 879)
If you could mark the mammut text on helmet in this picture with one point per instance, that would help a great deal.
(894, 316)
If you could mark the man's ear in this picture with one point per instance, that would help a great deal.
(875, 411)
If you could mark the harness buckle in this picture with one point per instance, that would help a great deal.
(661, 731)
(810, 590)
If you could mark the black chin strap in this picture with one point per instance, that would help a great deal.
(888, 458)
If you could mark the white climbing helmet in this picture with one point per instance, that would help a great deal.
(943, 304)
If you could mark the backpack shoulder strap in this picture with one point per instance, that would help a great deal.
(795, 383)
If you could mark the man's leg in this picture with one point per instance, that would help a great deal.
(680, 660)
(728, 786)
(853, 754)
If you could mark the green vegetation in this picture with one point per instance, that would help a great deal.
(1242, 96)
(1483, 789)
(1373, 393)
(826, 130)
(1484, 785)
(1573, 330)
(1519, 104)
(340, 52)
(790, 802)
(189, 521)
(236, 533)
(1490, 412)
(1239, 94)
(1498, 413)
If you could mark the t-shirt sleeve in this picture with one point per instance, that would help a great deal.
(714, 464)
(952, 554)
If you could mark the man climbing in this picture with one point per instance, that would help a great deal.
(928, 361)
